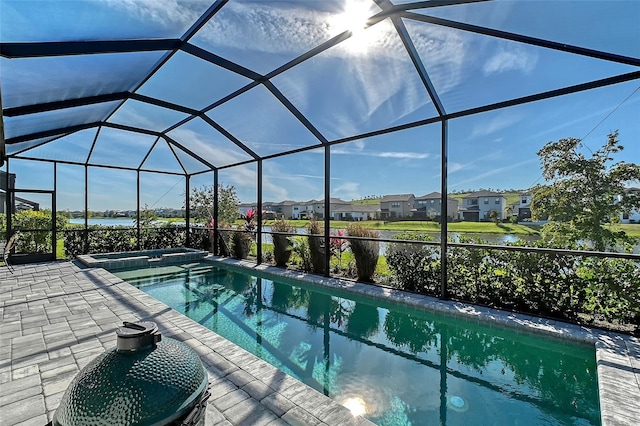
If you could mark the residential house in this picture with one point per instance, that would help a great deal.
(522, 208)
(477, 206)
(355, 212)
(429, 206)
(396, 206)
(632, 216)
(283, 209)
(302, 210)
(317, 207)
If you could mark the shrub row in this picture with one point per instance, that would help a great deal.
(551, 284)
(107, 239)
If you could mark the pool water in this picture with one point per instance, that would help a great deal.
(391, 364)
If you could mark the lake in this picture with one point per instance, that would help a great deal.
(499, 239)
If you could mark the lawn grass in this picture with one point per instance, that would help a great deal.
(371, 202)
(462, 227)
(631, 229)
(60, 251)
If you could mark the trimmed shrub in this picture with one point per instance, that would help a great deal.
(282, 244)
(416, 267)
(365, 252)
(241, 244)
(316, 247)
(578, 288)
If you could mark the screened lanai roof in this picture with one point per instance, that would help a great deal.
(187, 86)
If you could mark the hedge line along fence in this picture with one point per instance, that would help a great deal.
(107, 239)
(578, 288)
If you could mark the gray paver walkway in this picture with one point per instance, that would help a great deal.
(56, 317)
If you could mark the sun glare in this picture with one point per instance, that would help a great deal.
(354, 18)
(356, 405)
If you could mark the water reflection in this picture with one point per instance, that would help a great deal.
(399, 366)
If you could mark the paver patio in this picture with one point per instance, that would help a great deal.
(56, 317)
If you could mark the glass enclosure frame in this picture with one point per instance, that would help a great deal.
(18, 145)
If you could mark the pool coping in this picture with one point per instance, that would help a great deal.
(617, 355)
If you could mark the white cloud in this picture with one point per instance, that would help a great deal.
(347, 191)
(493, 172)
(172, 14)
(446, 53)
(511, 57)
(454, 167)
(501, 121)
(405, 155)
(208, 148)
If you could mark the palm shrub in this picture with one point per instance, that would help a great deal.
(243, 237)
(316, 246)
(282, 244)
(365, 252)
(301, 249)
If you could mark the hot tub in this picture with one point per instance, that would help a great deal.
(141, 258)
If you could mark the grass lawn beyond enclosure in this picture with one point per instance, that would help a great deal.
(466, 227)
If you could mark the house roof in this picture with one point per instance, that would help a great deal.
(430, 196)
(483, 193)
(396, 197)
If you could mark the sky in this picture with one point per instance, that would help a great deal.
(362, 85)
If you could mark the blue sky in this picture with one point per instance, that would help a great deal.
(364, 84)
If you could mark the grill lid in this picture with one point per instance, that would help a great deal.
(146, 380)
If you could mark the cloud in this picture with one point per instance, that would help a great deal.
(298, 176)
(456, 167)
(208, 148)
(497, 123)
(173, 15)
(494, 172)
(347, 191)
(405, 155)
(511, 57)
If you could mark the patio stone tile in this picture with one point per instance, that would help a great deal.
(249, 412)
(21, 372)
(230, 399)
(23, 410)
(277, 403)
(19, 395)
(299, 417)
(35, 421)
(240, 378)
(220, 388)
(213, 416)
(257, 390)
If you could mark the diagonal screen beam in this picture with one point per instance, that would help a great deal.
(523, 39)
(69, 103)
(67, 48)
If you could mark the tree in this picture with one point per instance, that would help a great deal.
(201, 202)
(494, 216)
(147, 217)
(584, 194)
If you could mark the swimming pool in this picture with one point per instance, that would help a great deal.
(394, 365)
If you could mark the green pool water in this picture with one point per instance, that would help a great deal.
(397, 366)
